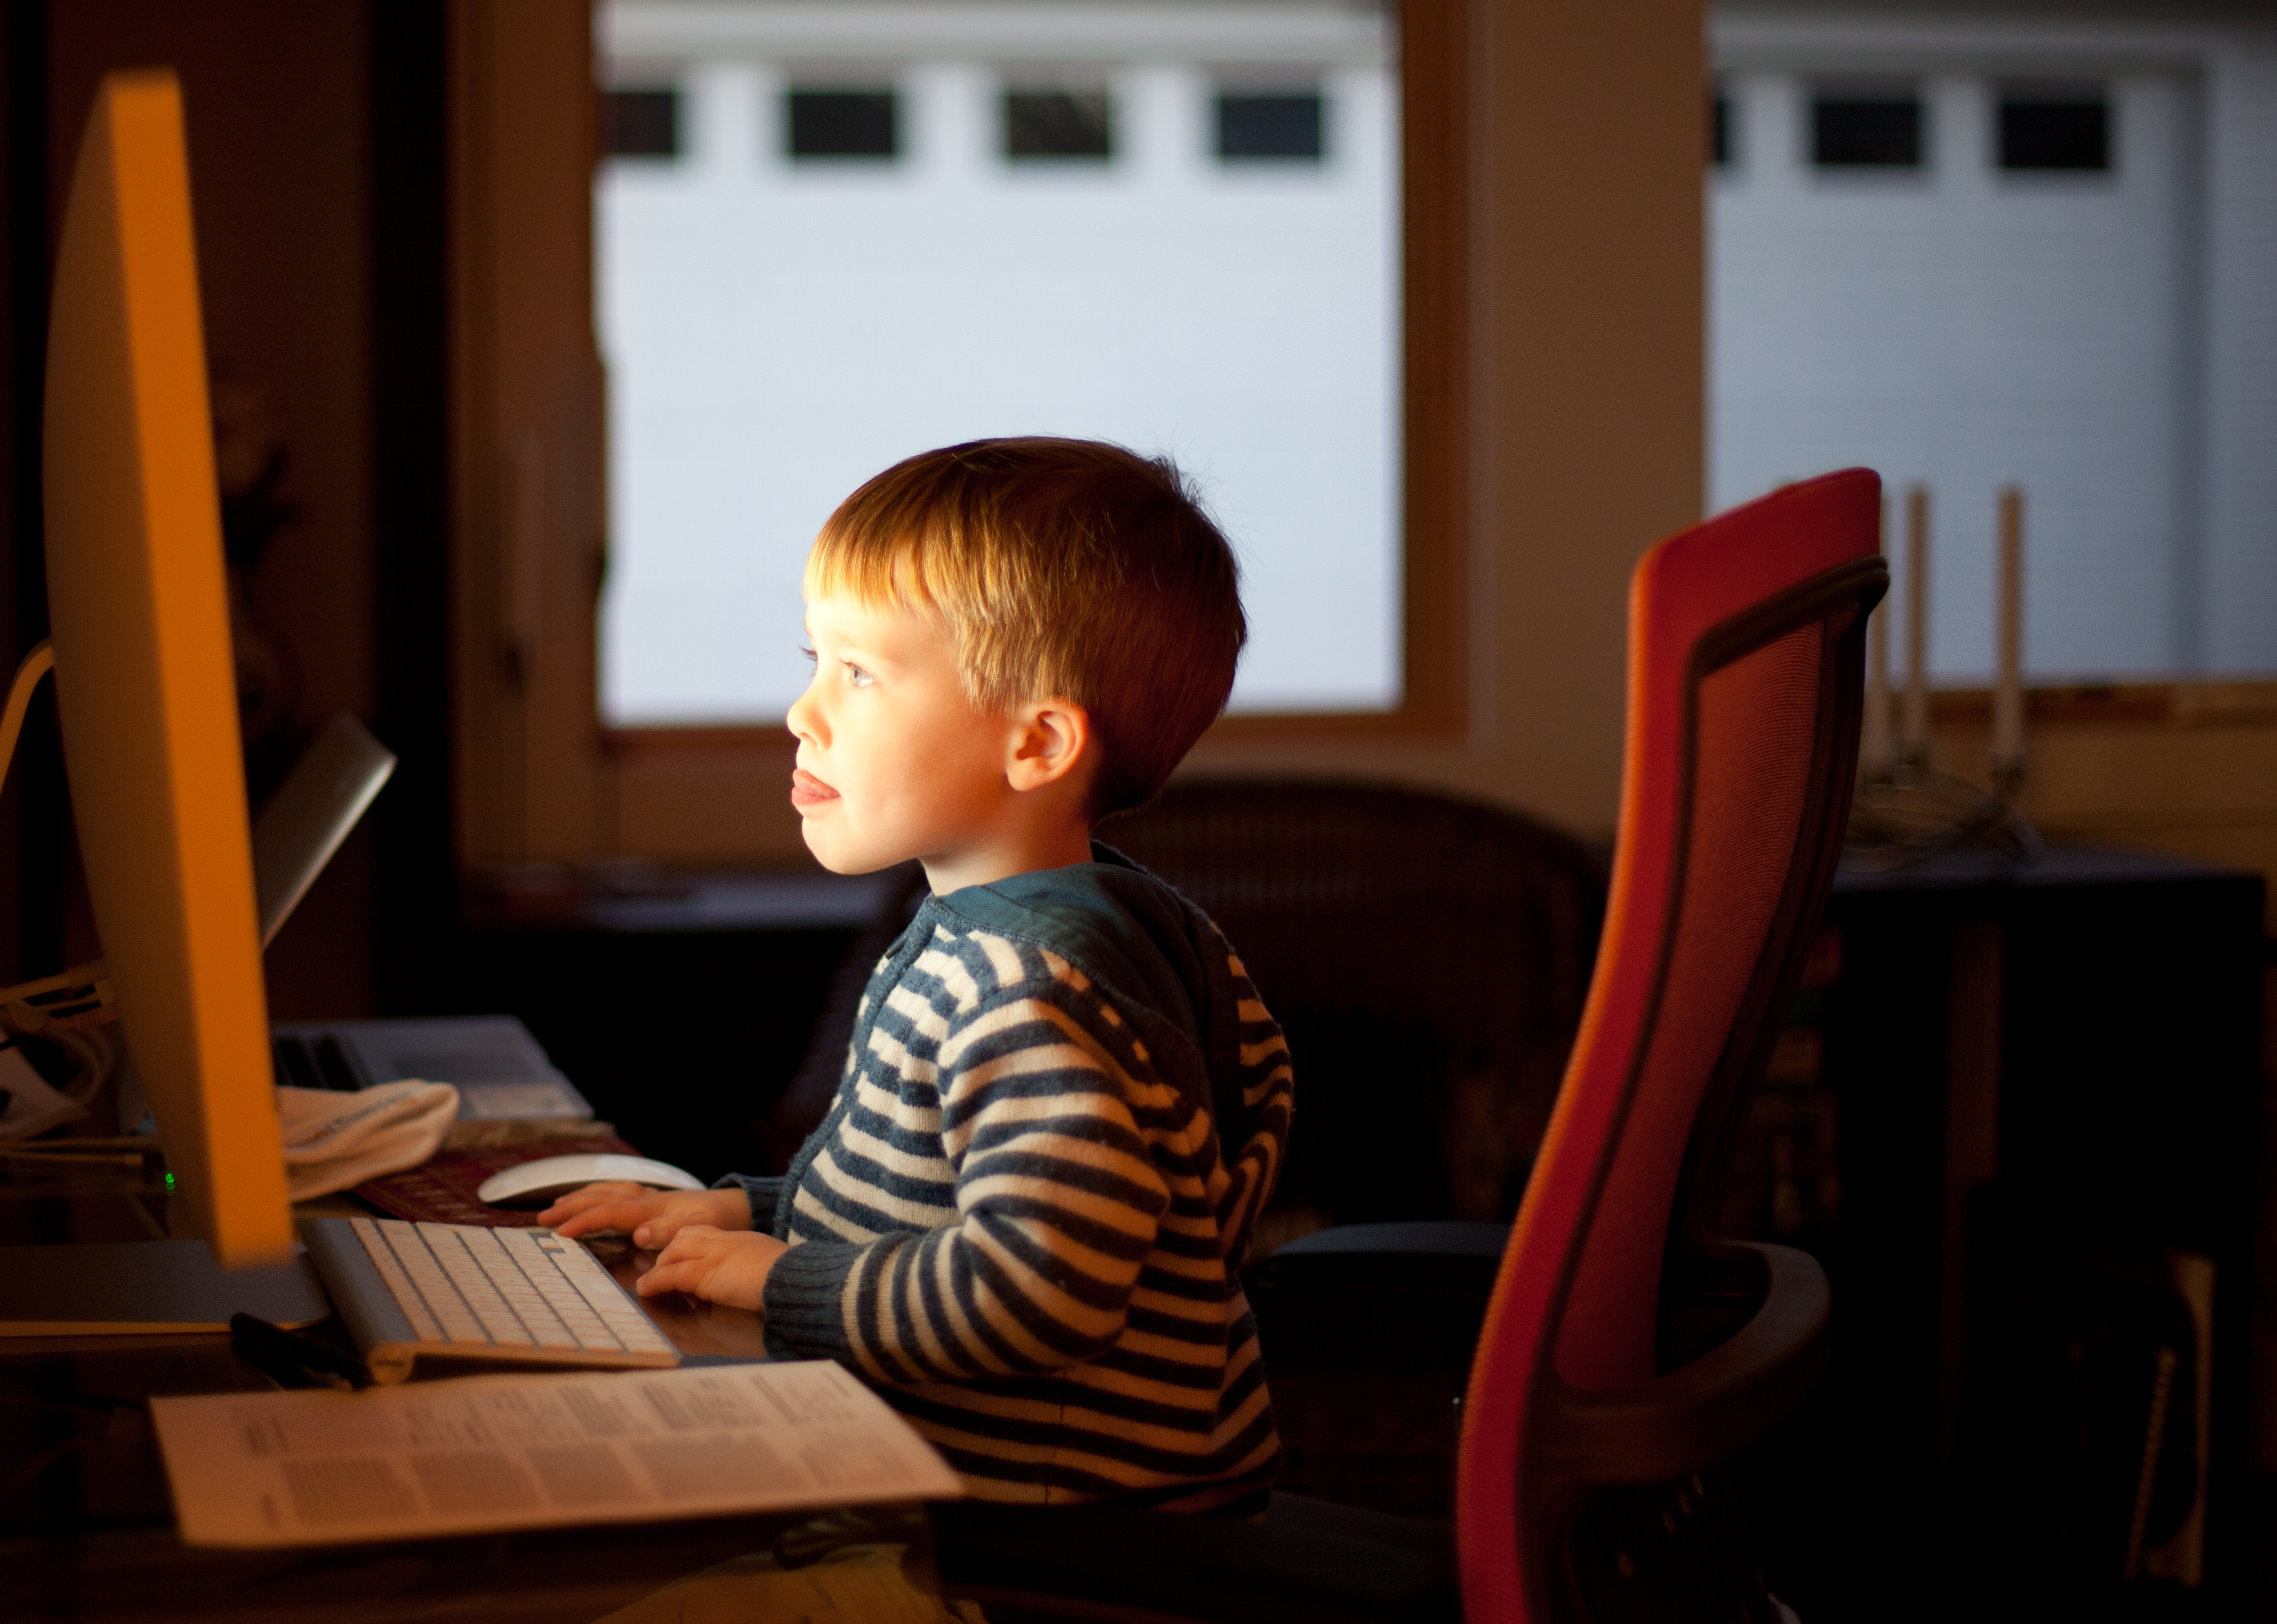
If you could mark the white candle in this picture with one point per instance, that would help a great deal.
(1916, 732)
(2009, 686)
(1874, 743)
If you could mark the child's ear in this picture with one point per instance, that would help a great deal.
(1051, 739)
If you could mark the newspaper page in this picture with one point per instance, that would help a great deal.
(485, 1453)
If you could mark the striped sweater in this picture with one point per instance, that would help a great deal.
(1062, 1107)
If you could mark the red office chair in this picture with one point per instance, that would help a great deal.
(1610, 1355)
(1745, 639)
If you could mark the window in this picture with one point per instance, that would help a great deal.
(2055, 130)
(641, 123)
(1068, 256)
(1058, 123)
(1282, 125)
(842, 124)
(1866, 131)
(1968, 334)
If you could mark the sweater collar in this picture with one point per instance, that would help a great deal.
(1124, 928)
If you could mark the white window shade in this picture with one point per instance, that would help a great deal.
(777, 331)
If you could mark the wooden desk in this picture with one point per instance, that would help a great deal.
(86, 1524)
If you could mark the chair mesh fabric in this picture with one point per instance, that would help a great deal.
(1758, 721)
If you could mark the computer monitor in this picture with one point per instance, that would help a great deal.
(145, 678)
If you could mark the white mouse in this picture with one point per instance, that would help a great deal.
(536, 1183)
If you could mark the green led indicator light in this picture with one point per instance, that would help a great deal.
(170, 1181)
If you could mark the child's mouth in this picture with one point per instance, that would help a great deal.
(808, 790)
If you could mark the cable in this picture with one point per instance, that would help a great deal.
(35, 664)
(53, 1151)
(1897, 822)
(79, 996)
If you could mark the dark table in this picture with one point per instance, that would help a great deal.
(2042, 1082)
(681, 1005)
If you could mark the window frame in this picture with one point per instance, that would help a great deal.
(1434, 541)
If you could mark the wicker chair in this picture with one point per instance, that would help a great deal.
(1417, 949)
(1427, 959)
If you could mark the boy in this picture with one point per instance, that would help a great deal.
(1063, 1104)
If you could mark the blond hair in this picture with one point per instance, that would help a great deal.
(1062, 568)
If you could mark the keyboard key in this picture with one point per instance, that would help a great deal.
(434, 1286)
(450, 1246)
(472, 1286)
(407, 1297)
(505, 1272)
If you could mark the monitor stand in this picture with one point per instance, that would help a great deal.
(146, 1287)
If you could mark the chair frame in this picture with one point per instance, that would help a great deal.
(1530, 1440)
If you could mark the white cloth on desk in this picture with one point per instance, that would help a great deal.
(334, 1141)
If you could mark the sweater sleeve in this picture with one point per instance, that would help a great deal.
(762, 1193)
(1254, 1123)
(1057, 1199)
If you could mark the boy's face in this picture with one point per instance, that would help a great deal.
(894, 761)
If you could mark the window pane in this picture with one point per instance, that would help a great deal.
(1057, 124)
(641, 123)
(778, 329)
(1968, 334)
(2072, 134)
(842, 124)
(1269, 126)
(1866, 132)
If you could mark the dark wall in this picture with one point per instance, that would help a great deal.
(33, 819)
(318, 167)
(416, 908)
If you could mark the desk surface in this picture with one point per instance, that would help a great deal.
(1974, 868)
(650, 902)
(87, 1523)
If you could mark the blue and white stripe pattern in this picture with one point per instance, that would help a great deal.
(1023, 1217)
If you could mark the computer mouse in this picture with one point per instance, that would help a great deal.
(536, 1184)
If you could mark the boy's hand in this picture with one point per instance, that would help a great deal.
(652, 1217)
(716, 1266)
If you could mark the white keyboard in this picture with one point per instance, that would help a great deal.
(465, 1288)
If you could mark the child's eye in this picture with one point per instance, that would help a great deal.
(856, 677)
(808, 652)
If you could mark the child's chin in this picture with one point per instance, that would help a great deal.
(840, 857)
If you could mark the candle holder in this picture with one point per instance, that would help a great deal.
(1899, 821)
(1904, 809)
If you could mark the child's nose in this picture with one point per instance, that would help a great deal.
(803, 720)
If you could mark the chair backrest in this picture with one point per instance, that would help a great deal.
(1427, 956)
(1746, 657)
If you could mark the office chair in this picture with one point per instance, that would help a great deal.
(1625, 1344)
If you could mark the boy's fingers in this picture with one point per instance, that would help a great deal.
(658, 1281)
(659, 1229)
(685, 1275)
(623, 1215)
(588, 1196)
(689, 1240)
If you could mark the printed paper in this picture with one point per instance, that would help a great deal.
(485, 1454)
